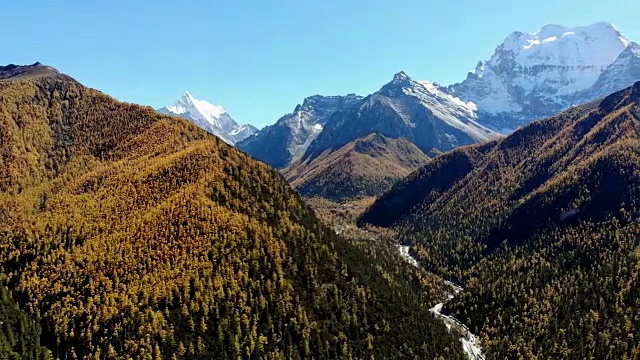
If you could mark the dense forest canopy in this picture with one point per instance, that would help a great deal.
(541, 228)
(129, 234)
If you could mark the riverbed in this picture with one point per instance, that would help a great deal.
(470, 342)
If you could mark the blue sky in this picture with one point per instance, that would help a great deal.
(259, 58)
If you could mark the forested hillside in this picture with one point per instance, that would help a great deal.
(542, 230)
(125, 233)
(367, 166)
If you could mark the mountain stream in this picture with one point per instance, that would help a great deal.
(470, 342)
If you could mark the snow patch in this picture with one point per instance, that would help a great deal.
(455, 112)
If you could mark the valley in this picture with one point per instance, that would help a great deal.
(540, 227)
(496, 217)
(482, 211)
(470, 342)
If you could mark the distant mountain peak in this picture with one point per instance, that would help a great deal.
(534, 75)
(187, 96)
(401, 80)
(314, 102)
(594, 45)
(212, 118)
(188, 103)
(288, 139)
(401, 76)
(551, 28)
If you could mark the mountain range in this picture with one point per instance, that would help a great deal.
(212, 118)
(529, 76)
(287, 140)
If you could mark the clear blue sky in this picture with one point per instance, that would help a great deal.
(259, 58)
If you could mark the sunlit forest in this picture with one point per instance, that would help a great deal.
(128, 234)
(365, 167)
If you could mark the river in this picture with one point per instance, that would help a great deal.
(470, 342)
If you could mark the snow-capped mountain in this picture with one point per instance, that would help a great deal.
(288, 139)
(419, 111)
(212, 118)
(623, 71)
(536, 75)
(529, 76)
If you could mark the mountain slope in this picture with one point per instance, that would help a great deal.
(212, 118)
(367, 166)
(531, 76)
(416, 110)
(286, 141)
(555, 206)
(623, 71)
(126, 233)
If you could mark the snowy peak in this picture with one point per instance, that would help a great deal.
(595, 45)
(197, 108)
(430, 95)
(401, 77)
(535, 75)
(212, 118)
(401, 83)
(322, 107)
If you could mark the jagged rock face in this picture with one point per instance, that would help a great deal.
(537, 75)
(625, 70)
(212, 118)
(416, 110)
(287, 140)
